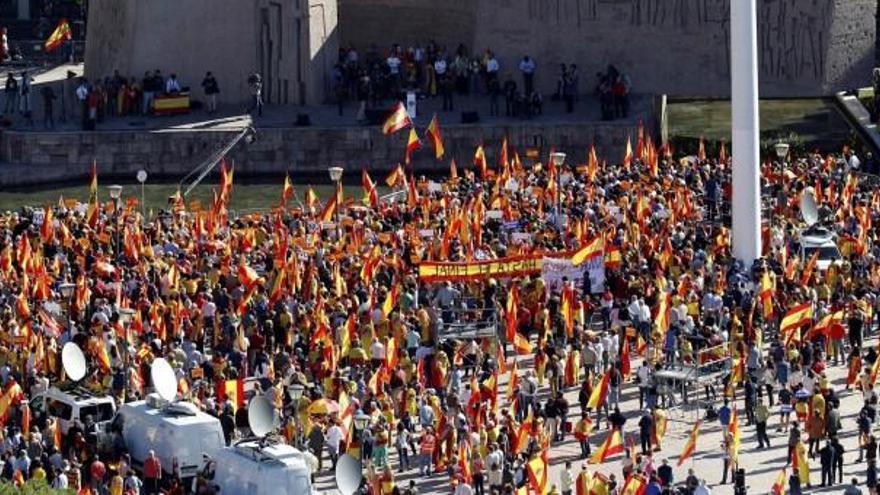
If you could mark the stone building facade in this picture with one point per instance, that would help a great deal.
(679, 47)
(292, 43)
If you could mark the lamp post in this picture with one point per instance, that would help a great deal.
(558, 160)
(125, 317)
(142, 178)
(67, 289)
(781, 150)
(361, 421)
(295, 391)
(115, 193)
(336, 177)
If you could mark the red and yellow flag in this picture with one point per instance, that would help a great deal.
(371, 195)
(286, 191)
(796, 317)
(523, 346)
(590, 250)
(778, 487)
(233, 391)
(480, 162)
(600, 391)
(537, 470)
(691, 444)
(436, 137)
(612, 445)
(61, 34)
(398, 119)
(413, 143)
(635, 485)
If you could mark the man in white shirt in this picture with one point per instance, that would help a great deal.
(172, 86)
(527, 67)
(463, 488)
(566, 481)
(333, 438)
(644, 375)
(377, 353)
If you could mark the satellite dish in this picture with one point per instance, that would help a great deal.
(261, 416)
(164, 379)
(809, 209)
(74, 361)
(349, 474)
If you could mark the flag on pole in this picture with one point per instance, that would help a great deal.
(537, 470)
(436, 137)
(398, 119)
(413, 143)
(371, 195)
(796, 317)
(61, 34)
(600, 391)
(691, 444)
(590, 250)
(287, 191)
(612, 445)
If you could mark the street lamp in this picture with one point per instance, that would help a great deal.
(125, 317)
(336, 177)
(361, 421)
(558, 160)
(295, 392)
(67, 289)
(142, 178)
(782, 150)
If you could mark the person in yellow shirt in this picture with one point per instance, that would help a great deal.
(117, 485)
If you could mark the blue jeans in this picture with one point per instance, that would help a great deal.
(425, 463)
(403, 456)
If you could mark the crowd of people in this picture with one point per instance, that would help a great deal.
(373, 78)
(279, 300)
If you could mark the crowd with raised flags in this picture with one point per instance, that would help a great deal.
(358, 300)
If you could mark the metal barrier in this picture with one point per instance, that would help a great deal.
(465, 323)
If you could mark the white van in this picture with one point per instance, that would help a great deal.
(178, 433)
(268, 470)
(73, 406)
(823, 241)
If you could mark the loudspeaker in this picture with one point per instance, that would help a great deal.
(375, 117)
(470, 117)
(303, 120)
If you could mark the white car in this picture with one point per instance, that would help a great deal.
(73, 407)
(820, 240)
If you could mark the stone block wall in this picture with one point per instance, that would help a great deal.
(679, 47)
(30, 158)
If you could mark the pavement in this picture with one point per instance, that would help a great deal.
(232, 117)
(761, 466)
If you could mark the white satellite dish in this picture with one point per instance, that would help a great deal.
(809, 209)
(164, 379)
(74, 361)
(349, 474)
(261, 416)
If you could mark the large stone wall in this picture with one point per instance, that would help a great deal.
(679, 47)
(47, 157)
(292, 43)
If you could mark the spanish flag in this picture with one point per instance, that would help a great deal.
(311, 197)
(480, 162)
(612, 445)
(583, 482)
(233, 391)
(600, 391)
(523, 346)
(591, 249)
(537, 470)
(797, 316)
(61, 34)
(513, 382)
(329, 211)
(247, 275)
(47, 230)
(286, 191)
(599, 486)
(94, 205)
(807, 274)
(778, 487)
(398, 119)
(635, 485)
(371, 196)
(396, 177)
(436, 137)
(628, 155)
(510, 312)
(453, 171)
(613, 257)
(390, 300)
(767, 294)
(413, 143)
(701, 150)
(734, 430)
(691, 444)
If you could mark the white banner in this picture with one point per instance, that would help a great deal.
(553, 270)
